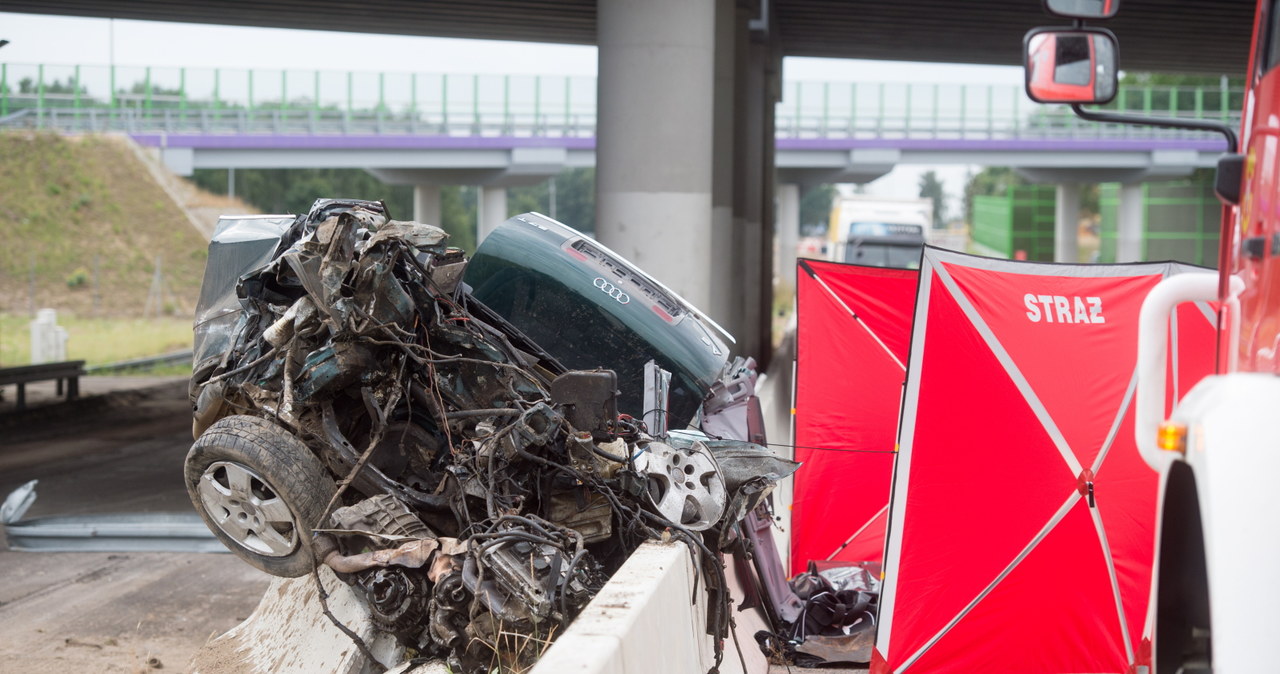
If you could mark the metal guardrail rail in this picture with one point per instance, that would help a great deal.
(172, 358)
(109, 532)
(66, 373)
(226, 101)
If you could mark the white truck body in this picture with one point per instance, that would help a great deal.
(1216, 549)
(879, 232)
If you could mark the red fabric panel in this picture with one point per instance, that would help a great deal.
(974, 499)
(1066, 363)
(1193, 351)
(1080, 374)
(883, 298)
(1126, 490)
(848, 394)
(1197, 340)
(878, 664)
(1067, 577)
(983, 477)
(868, 544)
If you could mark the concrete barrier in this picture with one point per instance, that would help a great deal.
(649, 618)
(289, 634)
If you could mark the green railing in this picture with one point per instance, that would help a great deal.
(204, 100)
(936, 110)
(1180, 220)
(232, 100)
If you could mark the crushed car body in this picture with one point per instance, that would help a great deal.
(474, 445)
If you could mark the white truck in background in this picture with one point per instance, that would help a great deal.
(877, 231)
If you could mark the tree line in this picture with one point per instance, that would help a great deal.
(293, 191)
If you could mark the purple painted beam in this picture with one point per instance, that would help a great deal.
(420, 142)
(1003, 145)
(354, 142)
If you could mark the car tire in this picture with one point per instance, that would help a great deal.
(260, 490)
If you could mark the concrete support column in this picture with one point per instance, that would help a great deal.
(788, 232)
(654, 138)
(493, 210)
(749, 178)
(771, 54)
(1066, 228)
(756, 90)
(426, 204)
(742, 157)
(723, 307)
(1129, 225)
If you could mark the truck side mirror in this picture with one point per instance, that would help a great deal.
(1070, 66)
(1229, 177)
(1082, 9)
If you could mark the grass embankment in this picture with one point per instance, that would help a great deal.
(99, 340)
(83, 224)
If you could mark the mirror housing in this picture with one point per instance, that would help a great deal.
(1078, 65)
(1228, 179)
(1082, 9)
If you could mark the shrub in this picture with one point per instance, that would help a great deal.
(78, 278)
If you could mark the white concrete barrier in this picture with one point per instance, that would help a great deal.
(289, 634)
(649, 619)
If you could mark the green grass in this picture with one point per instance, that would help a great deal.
(84, 225)
(97, 340)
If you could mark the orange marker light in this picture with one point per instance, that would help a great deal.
(1172, 437)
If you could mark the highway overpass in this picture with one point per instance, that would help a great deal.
(714, 66)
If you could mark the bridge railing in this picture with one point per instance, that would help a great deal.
(210, 121)
(990, 112)
(221, 101)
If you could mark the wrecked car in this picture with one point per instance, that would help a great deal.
(474, 445)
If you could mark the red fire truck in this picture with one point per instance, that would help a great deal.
(1217, 572)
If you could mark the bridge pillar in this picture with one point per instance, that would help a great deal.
(748, 180)
(755, 91)
(654, 138)
(493, 210)
(722, 306)
(1066, 228)
(788, 232)
(768, 96)
(426, 204)
(1129, 225)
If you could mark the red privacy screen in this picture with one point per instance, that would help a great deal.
(1022, 526)
(853, 326)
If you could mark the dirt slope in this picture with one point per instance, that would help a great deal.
(89, 216)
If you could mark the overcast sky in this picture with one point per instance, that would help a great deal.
(36, 39)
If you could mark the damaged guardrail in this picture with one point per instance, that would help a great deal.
(112, 532)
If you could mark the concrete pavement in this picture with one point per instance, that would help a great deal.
(119, 449)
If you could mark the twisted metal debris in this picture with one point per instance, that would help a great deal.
(355, 406)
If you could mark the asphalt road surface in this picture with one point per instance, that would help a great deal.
(121, 451)
(117, 452)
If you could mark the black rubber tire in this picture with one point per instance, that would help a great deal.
(287, 466)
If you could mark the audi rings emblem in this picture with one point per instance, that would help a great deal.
(611, 290)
